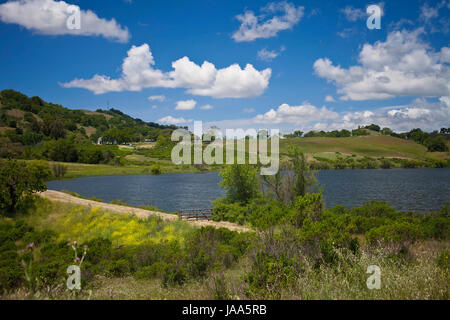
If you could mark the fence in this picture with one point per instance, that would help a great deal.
(197, 214)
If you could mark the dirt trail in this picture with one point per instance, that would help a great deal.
(140, 213)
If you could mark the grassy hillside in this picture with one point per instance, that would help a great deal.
(31, 128)
(370, 146)
(24, 115)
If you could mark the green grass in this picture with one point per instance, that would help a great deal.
(75, 170)
(83, 224)
(374, 146)
(370, 146)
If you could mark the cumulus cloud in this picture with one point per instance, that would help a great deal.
(160, 98)
(186, 105)
(403, 65)
(268, 24)
(434, 19)
(329, 99)
(269, 55)
(427, 13)
(139, 72)
(353, 14)
(420, 113)
(175, 121)
(50, 17)
(207, 107)
(303, 113)
(266, 55)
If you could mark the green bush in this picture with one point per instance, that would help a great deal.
(270, 275)
(59, 170)
(155, 169)
(18, 181)
(240, 182)
(396, 232)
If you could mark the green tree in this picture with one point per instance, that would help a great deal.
(374, 127)
(54, 128)
(63, 150)
(294, 178)
(436, 144)
(386, 131)
(240, 182)
(304, 177)
(19, 180)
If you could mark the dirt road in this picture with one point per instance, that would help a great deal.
(140, 213)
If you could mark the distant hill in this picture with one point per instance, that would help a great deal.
(22, 114)
(368, 146)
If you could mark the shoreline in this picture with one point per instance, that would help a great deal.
(58, 196)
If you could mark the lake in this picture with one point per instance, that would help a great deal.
(418, 190)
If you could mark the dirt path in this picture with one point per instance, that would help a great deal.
(140, 213)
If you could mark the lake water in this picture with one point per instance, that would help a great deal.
(418, 190)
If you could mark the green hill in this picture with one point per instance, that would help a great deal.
(370, 146)
(21, 114)
(31, 128)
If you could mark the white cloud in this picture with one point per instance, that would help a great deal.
(403, 65)
(266, 55)
(50, 17)
(431, 17)
(427, 13)
(329, 99)
(186, 105)
(138, 72)
(257, 27)
(234, 82)
(269, 55)
(175, 121)
(207, 107)
(248, 110)
(353, 14)
(157, 98)
(303, 113)
(418, 114)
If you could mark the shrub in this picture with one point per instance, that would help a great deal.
(59, 170)
(309, 206)
(174, 274)
(118, 268)
(385, 164)
(396, 232)
(155, 169)
(19, 180)
(240, 182)
(270, 275)
(221, 291)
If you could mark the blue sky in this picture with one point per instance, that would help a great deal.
(288, 65)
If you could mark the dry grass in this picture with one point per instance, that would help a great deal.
(416, 279)
(89, 112)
